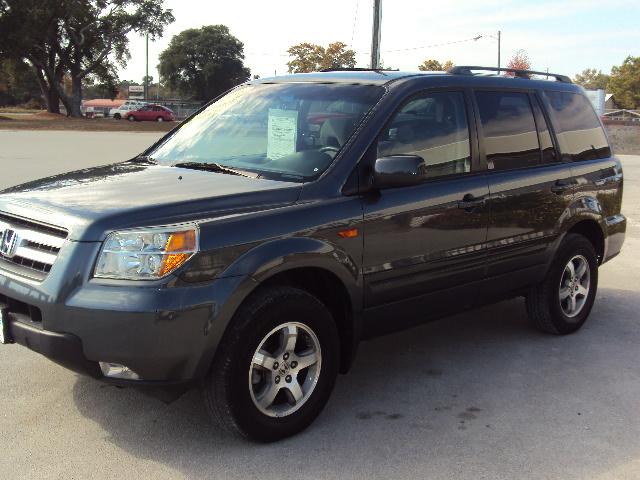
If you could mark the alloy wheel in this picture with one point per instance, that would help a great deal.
(574, 286)
(285, 369)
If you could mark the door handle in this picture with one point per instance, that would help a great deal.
(470, 202)
(561, 186)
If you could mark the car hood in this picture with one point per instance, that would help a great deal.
(89, 203)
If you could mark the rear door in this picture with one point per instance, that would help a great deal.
(530, 187)
(424, 244)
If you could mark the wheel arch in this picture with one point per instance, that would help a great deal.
(593, 231)
(327, 287)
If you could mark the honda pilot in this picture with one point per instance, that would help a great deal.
(253, 247)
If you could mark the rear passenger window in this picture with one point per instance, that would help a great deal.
(510, 135)
(580, 135)
(434, 127)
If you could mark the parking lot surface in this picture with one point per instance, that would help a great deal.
(477, 395)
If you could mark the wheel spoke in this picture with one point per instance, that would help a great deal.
(572, 304)
(263, 359)
(294, 391)
(582, 291)
(565, 292)
(581, 270)
(290, 338)
(572, 269)
(307, 360)
(266, 399)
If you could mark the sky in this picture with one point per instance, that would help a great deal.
(564, 36)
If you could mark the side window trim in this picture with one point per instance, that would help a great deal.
(470, 117)
(541, 115)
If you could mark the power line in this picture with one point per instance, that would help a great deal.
(472, 39)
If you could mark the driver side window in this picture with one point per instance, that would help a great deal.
(434, 127)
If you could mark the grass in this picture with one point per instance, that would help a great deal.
(53, 122)
(19, 110)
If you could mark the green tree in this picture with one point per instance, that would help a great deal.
(625, 83)
(592, 79)
(202, 63)
(431, 65)
(18, 83)
(77, 38)
(308, 57)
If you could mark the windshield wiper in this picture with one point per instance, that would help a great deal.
(212, 167)
(145, 159)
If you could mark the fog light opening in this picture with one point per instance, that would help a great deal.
(115, 370)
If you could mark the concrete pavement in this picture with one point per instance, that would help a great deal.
(477, 395)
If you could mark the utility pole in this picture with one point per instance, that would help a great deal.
(499, 33)
(146, 77)
(375, 40)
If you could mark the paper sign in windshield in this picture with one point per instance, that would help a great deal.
(282, 133)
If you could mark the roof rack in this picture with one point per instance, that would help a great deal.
(466, 70)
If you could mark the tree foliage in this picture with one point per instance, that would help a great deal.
(520, 61)
(625, 83)
(431, 65)
(18, 83)
(77, 38)
(308, 57)
(202, 63)
(592, 79)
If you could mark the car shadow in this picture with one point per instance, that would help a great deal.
(477, 394)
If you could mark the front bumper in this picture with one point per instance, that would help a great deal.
(166, 333)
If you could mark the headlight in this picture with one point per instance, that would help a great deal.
(146, 254)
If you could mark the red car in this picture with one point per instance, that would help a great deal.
(156, 113)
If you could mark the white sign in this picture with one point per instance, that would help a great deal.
(597, 99)
(282, 133)
(136, 91)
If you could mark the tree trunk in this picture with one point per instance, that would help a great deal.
(76, 97)
(49, 93)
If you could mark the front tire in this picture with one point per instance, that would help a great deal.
(117, 116)
(562, 302)
(131, 118)
(276, 365)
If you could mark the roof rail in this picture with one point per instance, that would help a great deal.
(466, 70)
(358, 69)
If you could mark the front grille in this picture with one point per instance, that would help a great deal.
(29, 248)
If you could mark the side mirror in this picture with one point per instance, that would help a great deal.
(399, 171)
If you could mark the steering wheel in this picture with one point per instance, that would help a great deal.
(328, 150)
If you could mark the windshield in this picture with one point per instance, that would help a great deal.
(281, 131)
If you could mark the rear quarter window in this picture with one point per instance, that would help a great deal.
(580, 134)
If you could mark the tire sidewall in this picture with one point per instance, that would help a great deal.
(296, 307)
(576, 245)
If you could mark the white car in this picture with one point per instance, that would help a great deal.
(122, 110)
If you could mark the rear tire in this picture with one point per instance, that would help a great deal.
(117, 116)
(247, 392)
(562, 302)
(159, 119)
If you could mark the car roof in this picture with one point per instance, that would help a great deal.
(430, 79)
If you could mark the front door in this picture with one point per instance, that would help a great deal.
(424, 245)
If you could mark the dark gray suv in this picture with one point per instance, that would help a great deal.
(256, 244)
